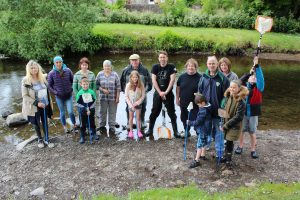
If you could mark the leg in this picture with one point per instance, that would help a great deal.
(103, 113)
(155, 111)
(130, 121)
(143, 111)
(62, 116)
(69, 104)
(219, 137)
(112, 111)
(171, 112)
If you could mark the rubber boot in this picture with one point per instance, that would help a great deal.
(82, 136)
(228, 160)
(175, 130)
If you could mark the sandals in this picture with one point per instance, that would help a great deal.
(194, 164)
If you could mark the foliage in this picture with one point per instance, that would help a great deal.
(231, 19)
(175, 8)
(40, 29)
(223, 41)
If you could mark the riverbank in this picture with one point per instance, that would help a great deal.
(118, 167)
(135, 37)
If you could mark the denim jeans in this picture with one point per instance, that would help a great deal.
(219, 136)
(69, 103)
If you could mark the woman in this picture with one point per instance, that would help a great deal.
(225, 68)
(187, 85)
(108, 83)
(60, 82)
(36, 100)
(84, 71)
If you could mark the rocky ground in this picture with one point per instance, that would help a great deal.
(118, 167)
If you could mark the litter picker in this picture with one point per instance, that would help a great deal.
(189, 108)
(263, 24)
(163, 130)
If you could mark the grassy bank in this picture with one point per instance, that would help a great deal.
(264, 191)
(225, 41)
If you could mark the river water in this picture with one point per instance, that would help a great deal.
(280, 99)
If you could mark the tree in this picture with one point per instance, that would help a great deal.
(40, 29)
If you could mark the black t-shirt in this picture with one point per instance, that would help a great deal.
(188, 85)
(163, 75)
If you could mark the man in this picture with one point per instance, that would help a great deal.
(163, 79)
(212, 85)
(135, 64)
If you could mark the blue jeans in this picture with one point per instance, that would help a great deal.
(219, 136)
(69, 103)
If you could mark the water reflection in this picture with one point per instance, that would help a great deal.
(280, 98)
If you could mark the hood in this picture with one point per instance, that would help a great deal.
(241, 95)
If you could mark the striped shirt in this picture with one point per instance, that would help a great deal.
(111, 82)
(77, 78)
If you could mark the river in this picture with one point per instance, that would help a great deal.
(281, 97)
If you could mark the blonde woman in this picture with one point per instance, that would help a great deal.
(36, 100)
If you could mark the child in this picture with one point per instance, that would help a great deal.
(255, 86)
(234, 106)
(134, 95)
(86, 100)
(202, 125)
(36, 100)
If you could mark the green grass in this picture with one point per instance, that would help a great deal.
(133, 36)
(262, 192)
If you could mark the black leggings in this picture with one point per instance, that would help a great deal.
(229, 146)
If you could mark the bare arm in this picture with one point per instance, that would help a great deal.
(177, 95)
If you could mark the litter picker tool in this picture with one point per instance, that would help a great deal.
(189, 108)
(263, 24)
(163, 130)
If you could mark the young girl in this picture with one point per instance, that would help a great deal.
(202, 125)
(134, 95)
(234, 105)
(36, 100)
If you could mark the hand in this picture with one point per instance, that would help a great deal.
(162, 94)
(41, 105)
(188, 122)
(88, 112)
(252, 70)
(255, 60)
(221, 129)
(177, 101)
(117, 100)
(135, 104)
(105, 91)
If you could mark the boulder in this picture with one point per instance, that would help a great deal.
(6, 114)
(16, 119)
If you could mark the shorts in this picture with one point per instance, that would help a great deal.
(250, 124)
(139, 107)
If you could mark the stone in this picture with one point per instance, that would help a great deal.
(251, 184)
(219, 183)
(38, 192)
(6, 114)
(227, 172)
(7, 178)
(180, 183)
(16, 119)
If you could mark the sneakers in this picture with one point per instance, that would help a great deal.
(103, 130)
(41, 143)
(148, 133)
(66, 130)
(238, 150)
(140, 135)
(130, 135)
(194, 164)
(254, 155)
(50, 145)
(96, 137)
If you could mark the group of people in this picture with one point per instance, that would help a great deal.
(224, 107)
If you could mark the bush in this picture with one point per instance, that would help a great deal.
(170, 41)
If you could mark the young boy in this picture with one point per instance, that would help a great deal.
(202, 125)
(86, 100)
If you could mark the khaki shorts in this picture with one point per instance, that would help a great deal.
(250, 124)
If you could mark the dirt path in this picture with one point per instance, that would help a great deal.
(117, 167)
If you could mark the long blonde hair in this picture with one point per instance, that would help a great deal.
(139, 82)
(40, 75)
